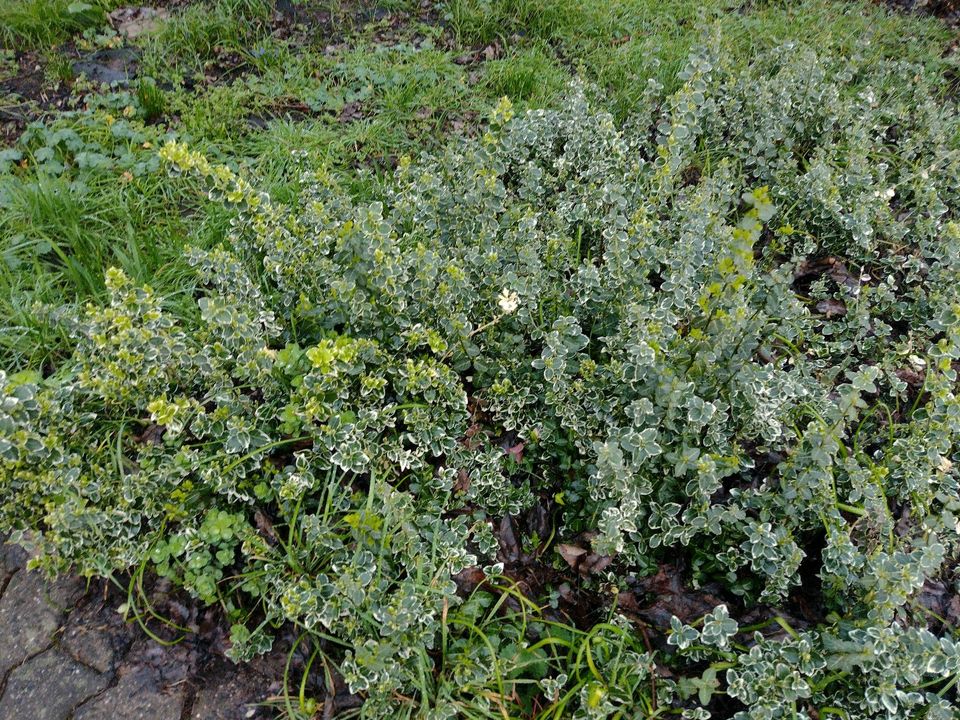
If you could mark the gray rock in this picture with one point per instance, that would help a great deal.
(28, 619)
(96, 636)
(135, 21)
(113, 65)
(48, 687)
(63, 593)
(12, 558)
(137, 695)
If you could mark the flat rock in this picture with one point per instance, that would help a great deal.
(12, 558)
(28, 619)
(132, 22)
(48, 687)
(97, 637)
(114, 65)
(63, 593)
(138, 695)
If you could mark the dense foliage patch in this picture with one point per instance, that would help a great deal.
(727, 330)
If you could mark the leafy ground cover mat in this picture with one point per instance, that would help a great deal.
(586, 416)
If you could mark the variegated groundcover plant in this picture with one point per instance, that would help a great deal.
(726, 329)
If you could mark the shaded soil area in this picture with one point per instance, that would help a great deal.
(948, 10)
(26, 93)
(35, 84)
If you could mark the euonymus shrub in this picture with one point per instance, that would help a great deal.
(729, 328)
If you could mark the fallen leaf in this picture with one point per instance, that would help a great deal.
(492, 51)
(571, 553)
(594, 563)
(831, 308)
(911, 377)
(265, 526)
(152, 435)
(516, 452)
(132, 22)
(462, 484)
(953, 610)
(350, 112)
(835, 268)
(509, 547)
(469, 579)
(670, 597)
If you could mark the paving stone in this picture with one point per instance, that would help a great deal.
(63, 593)
(27, 619)
(135, 21)
(12, 558)
(138, 695)
(48, 687)
(97, 636)
(111, 65)
(62, 643)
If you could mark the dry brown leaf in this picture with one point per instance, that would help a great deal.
(571, 553)
(831, 308)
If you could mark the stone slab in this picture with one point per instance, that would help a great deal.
(48, 687)
(138, 695)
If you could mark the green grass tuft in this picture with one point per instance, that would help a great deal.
(26, 24)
